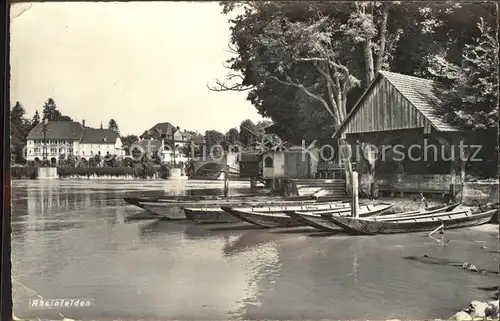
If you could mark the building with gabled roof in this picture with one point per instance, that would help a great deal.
(172, 140)
(399, 116)
(71, 138)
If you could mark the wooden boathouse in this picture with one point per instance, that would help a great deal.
(414, 149)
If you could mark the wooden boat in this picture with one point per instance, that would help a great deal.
(413, 223)
(165, 212)
(137, 200)
(209, 215)
(316, 220)
(425, 211)
(279, 218)
(213, 213)
(201, 198)
(176, 210)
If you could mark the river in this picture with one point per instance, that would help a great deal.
(71, 239)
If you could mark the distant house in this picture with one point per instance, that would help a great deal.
(71, 138)
(171, 138)
(100, 141)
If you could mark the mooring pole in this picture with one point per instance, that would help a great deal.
(226, 180)
(355, 198)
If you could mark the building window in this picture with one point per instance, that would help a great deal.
(268, 162)
(53, 150)
(91, 153)
(35, 150)
(99, 153)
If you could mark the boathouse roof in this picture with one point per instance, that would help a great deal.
(395, 101)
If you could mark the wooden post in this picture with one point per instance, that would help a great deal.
(226, 180)
(253, 182)
(355, 198)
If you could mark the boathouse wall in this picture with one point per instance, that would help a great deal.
(292, 163)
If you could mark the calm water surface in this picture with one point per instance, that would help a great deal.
(71, 239)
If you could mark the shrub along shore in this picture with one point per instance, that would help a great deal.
(147, 171)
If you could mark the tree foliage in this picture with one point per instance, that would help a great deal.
(471, 101)
(19, 129)
(52, 113)
(113, 126)
(215, 142)
(35, 120)
(306, 63)
(232, 136)
(128, 141)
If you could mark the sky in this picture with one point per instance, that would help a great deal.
(139, 63)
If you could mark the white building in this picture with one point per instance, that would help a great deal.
(171, 139)
(71, 138)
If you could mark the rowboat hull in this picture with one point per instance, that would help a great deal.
(271, 221)
(314, 219)
(253, 215)
(324, 224)
(451, 220)
(209, 216)
(283, 219)
(165, 212)
(187, 200)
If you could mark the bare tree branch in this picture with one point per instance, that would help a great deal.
(306, 91)
(220, 86)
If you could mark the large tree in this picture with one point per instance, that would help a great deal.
(19, 129)
(284, 52)
(471, 101)
(305, 64)
(248, 133)
(52, 113)
(113, 126)
(35, 120)
(128, 141)
(215, 142)
(232, 137)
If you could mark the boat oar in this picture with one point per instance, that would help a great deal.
(441, 227)
(478, 205)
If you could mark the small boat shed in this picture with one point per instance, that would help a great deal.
(289, 162)
(401, 110)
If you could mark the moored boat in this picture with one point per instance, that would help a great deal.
(316, 220)
(280, 218)
(165, 212)
(175, 210)
(209, 215)
(213, 213)
(185, 200)
(413, 223)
